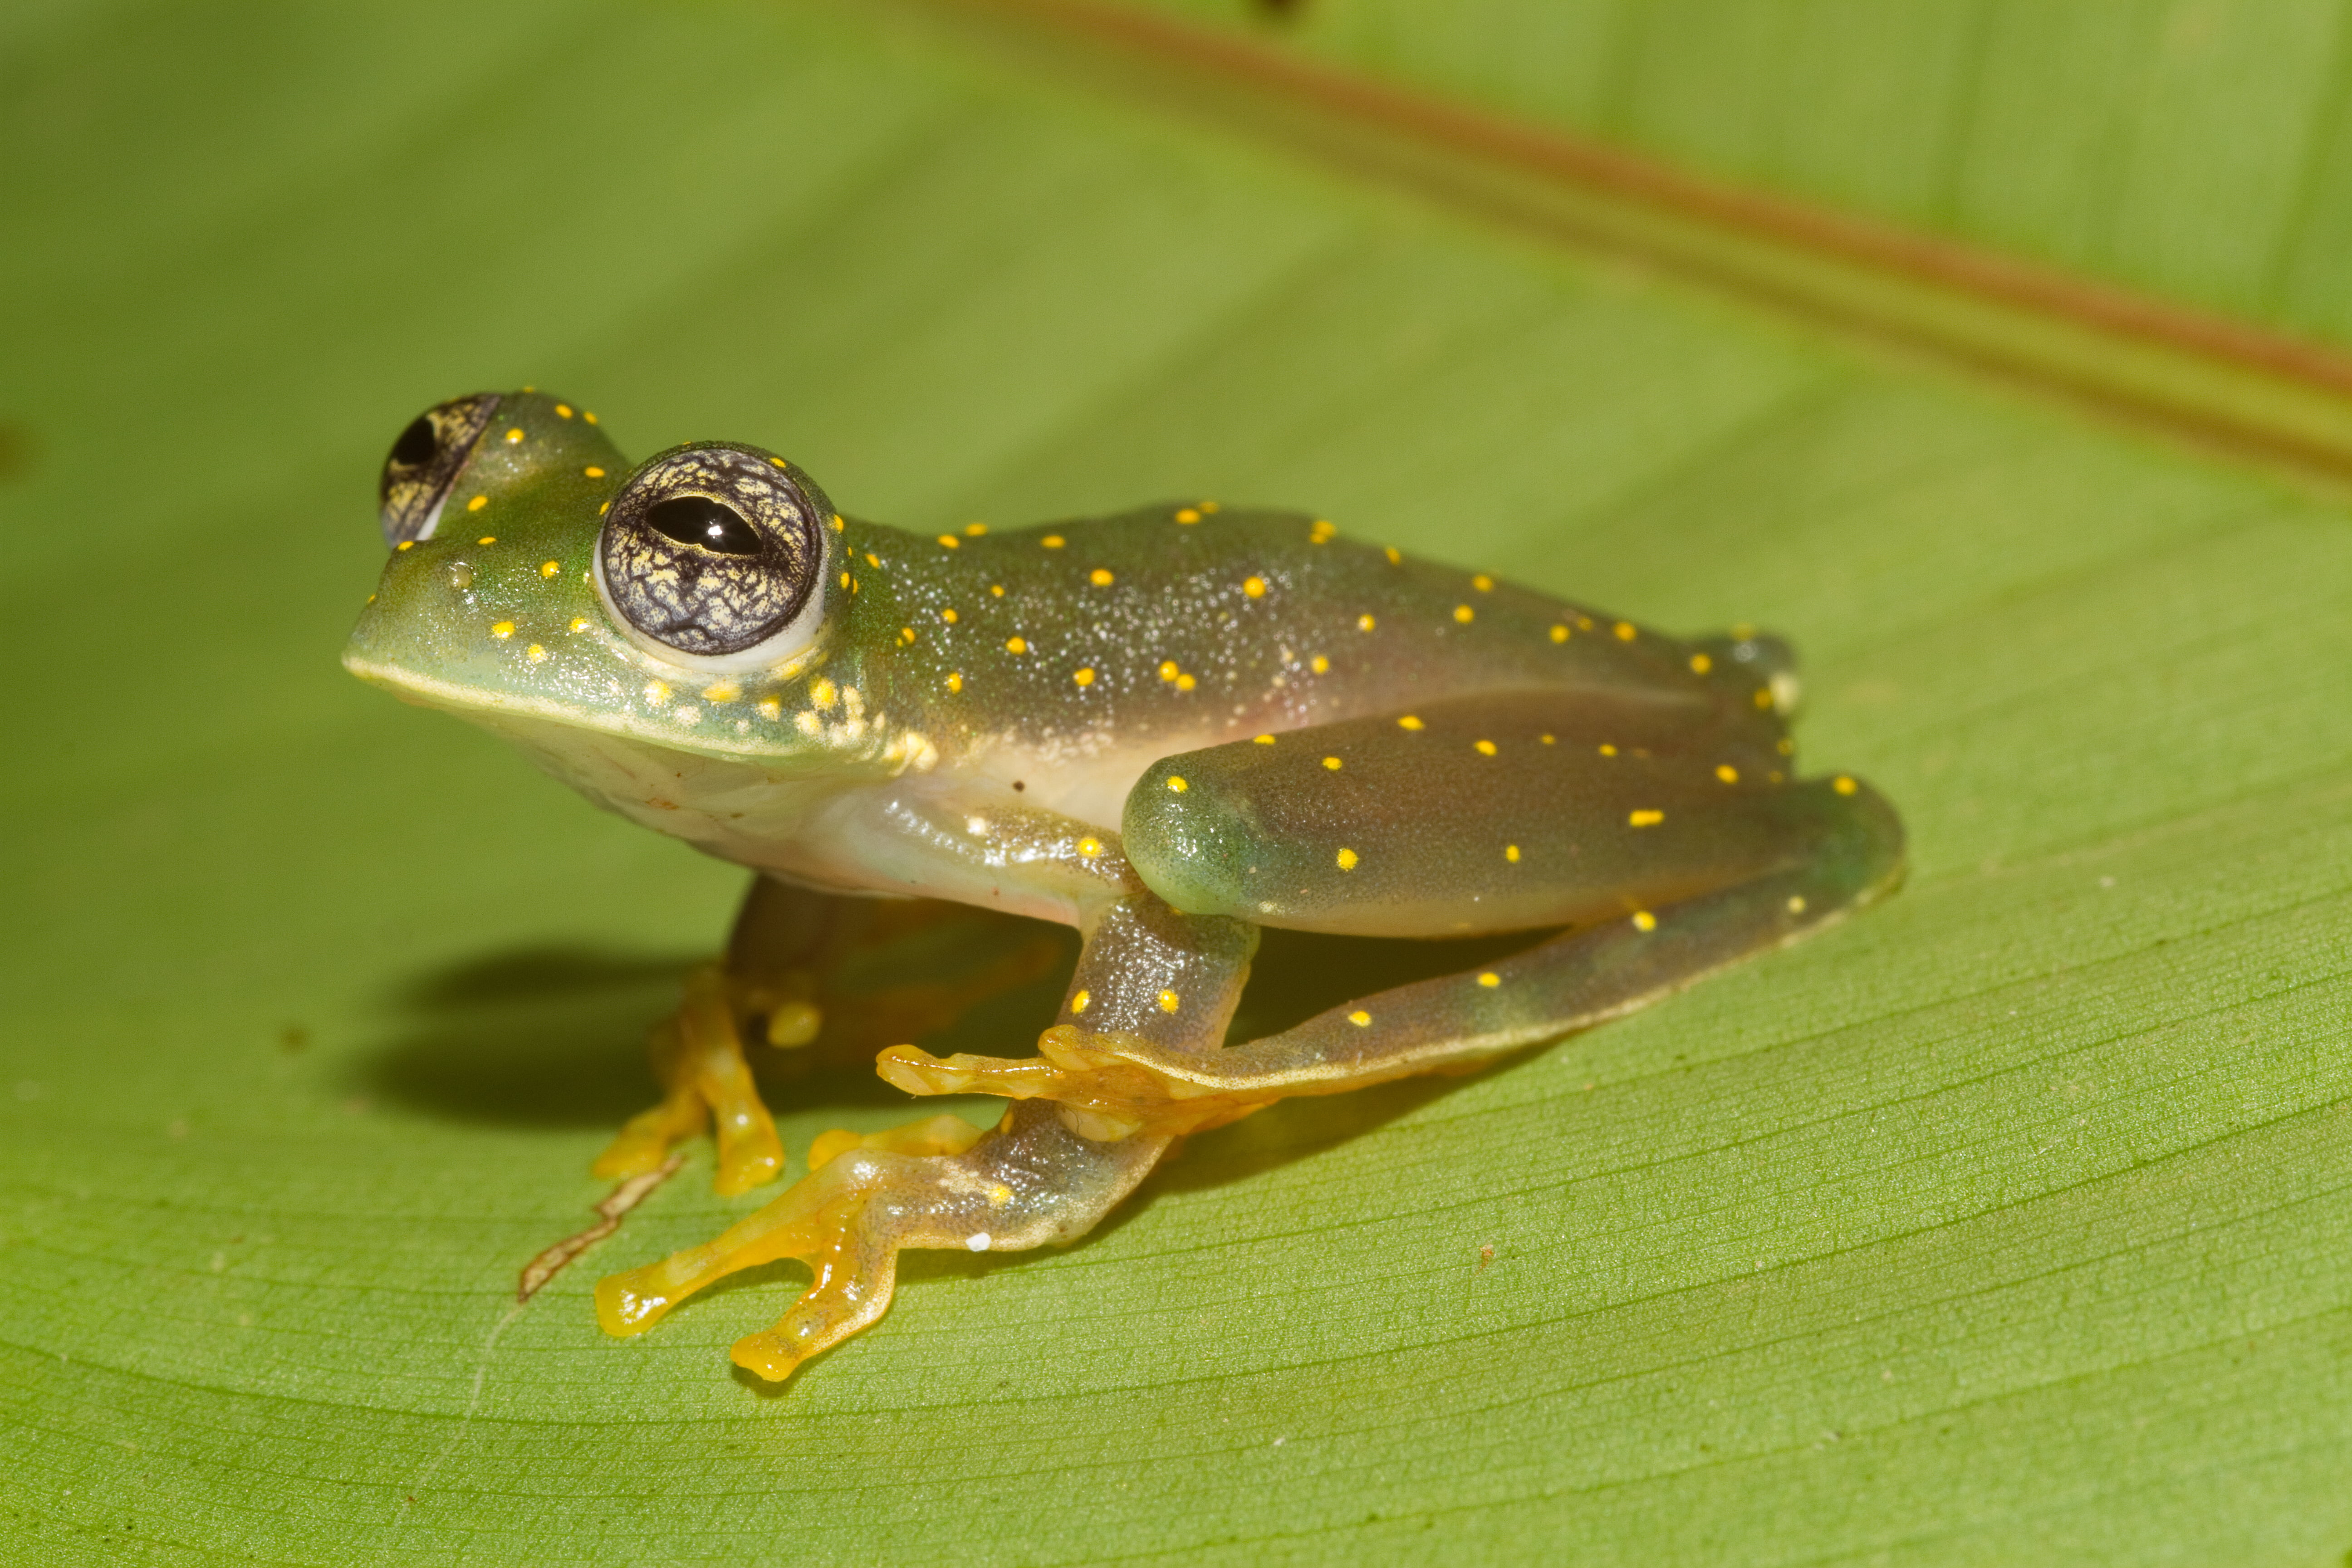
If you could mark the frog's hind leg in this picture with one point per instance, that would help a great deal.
(1670, 848)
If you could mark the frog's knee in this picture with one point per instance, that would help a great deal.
(1762, 657)
(1190, 836)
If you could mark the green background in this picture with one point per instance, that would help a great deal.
(2010, 1222)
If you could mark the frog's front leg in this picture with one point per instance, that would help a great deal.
(820, 977)
(1045, 1174)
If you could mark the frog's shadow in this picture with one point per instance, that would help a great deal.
(554, 1036)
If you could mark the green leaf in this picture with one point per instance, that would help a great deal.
(2008, 1223)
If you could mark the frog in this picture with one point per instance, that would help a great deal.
(1167, 729)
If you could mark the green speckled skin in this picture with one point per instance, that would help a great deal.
(1167, 728)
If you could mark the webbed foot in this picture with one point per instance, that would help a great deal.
(940, 1183)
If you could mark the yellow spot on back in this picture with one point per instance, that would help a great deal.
(563, 411)
(1409, 722)
(1100, 577)
(579, 622)
(1701, 664)
(1607, 750)
(1168, 670)
(1361, 1019)
(1547, 739)
(549, 568)
(1559, 634)
(1079, 1003)
(1490, 980)
(1644, 920)
(1396, 556)
(1624, 630)
(1168, 1003)
(503, 630)
(1320, 665)
(1843, 784)
(837, 524)
(1645, 817)
(536, 654)
(1053, 542)
(906, 635)
(1484, 748)
(1185, 683)
(1263, 739)
(1332, 762)
(1187, 515)
(1084, 677)
(478, 503)
(487, 539)
(1017, 644)
(996, 589)
(974, 530)
(590, 418)
(592, 471)
(514, 434)
(405, 544)
(1347, 859)
(1465, 614)
(873, 560)
(955, 681)
(1797, 904)
(1365, 623)
(1511, 853)
(1177, 784)
(844, 579)
(1320, 532)
(1483, 583)
(721, 691)
(769, 708)
(949, 541)
(821, 692)
(1254, 587)
(949, 617)
(1727, 773)
(1090, 847)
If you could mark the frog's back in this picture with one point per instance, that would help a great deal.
(1177, 626)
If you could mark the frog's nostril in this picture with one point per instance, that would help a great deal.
(416, 444)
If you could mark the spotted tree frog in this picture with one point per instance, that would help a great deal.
(1169, 728)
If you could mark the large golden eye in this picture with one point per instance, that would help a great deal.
(425, 462)
(715, 550)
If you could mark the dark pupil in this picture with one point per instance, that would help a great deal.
(416, 444)
(699, 519)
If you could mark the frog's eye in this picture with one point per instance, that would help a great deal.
(714, 553)
(425, 462)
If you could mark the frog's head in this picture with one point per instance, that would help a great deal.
(543, 585)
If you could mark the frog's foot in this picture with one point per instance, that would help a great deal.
(698, 1056)
(1110, 1084)
(938, 1183)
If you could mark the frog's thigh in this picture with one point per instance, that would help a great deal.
(1849, 850)
(1028, 1182)
(1501, 812)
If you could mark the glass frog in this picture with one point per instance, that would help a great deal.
(1169, 728)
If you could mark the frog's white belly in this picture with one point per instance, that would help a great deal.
(841, 828)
